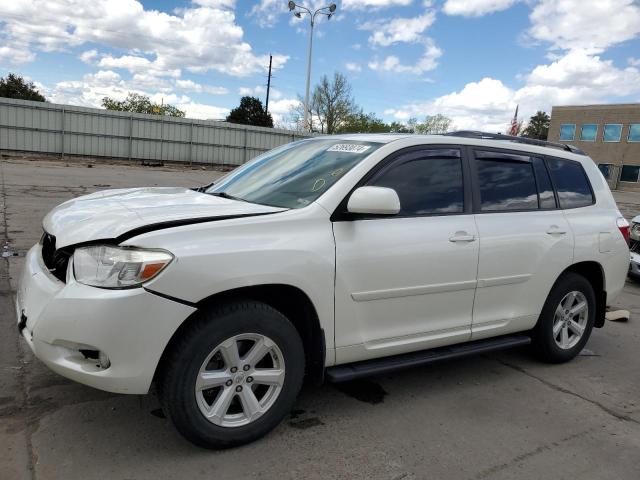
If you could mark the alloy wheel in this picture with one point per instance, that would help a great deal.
(570, 320)
(240, 380)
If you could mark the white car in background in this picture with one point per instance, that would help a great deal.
(331, 258)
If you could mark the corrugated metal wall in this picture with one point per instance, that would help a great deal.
(69, 130)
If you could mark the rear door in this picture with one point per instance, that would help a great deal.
(525, 240)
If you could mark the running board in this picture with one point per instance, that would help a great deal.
(351, 371)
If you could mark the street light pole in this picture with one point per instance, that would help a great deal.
(306, 123)
(301, 9)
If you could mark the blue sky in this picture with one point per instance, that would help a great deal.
(473, 60)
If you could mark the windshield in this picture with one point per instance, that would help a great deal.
(294, 175)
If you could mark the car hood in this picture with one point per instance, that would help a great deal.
(110, 214)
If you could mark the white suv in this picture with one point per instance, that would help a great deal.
(333, 257)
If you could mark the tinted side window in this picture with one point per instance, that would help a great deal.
(571, 183)
(431, 185)
(545, 189)
(506, 184)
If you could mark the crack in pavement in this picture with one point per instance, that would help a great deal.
(558, 388)
(491, 471)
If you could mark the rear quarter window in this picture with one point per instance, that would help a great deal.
(571, 183)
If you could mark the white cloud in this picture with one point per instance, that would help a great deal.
(89, 91)
(428, 61)
(140, 66)
(216, 3)
(15, 54)
(280, 110)
(475, 8)
(575, 78)
(407, 30)
(191, 86)
(480, 105)
(266, 12)
(361, 4)
(200, 38)
(578, 69)
(578, 24)
(353, 67)
(145, 82)
(92, 88)
(634, 62)
(88, 56)
(260, 91)
(202, 111)
(251, 92)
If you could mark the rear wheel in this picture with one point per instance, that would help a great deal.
(566, 320)
(233, 375)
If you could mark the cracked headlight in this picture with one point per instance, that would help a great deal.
(108, 266)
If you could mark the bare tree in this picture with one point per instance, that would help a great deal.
(332, 103)
(296, 117)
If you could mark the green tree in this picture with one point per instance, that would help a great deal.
(141, 104)
(434, 124)
(397, 127)
(538, 126)
(250, 112)
(332, 103)
(14, 86)
(361, 122)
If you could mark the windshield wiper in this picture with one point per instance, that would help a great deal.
(203, 188)
(228, 196)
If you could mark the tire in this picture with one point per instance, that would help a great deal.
(206, 348)
(572, 290)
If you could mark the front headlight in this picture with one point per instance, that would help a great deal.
(108, 266)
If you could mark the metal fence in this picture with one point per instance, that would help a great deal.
(70, 130)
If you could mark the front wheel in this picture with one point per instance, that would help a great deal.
(566, 320)
(233, 375)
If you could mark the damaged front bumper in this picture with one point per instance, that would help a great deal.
(107, 339)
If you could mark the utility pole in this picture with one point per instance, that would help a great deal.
(266, 108)
(298, 11)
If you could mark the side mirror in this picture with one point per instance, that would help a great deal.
(374, 201)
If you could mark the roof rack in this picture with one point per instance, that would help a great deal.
(511, 138)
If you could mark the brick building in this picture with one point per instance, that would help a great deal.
(610, 134)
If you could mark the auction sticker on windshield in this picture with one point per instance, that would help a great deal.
(349, 148)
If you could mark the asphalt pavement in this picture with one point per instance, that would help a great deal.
(498, 416)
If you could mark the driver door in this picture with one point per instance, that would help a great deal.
(406, 282)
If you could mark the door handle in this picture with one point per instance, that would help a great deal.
(555, 230)
(462, 237)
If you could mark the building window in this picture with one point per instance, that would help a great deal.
(612, 132)
(629, 173)
(589, 132)
(634, 132)
(567, 131)
(605, 168)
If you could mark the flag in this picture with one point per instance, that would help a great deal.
(514, 124)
